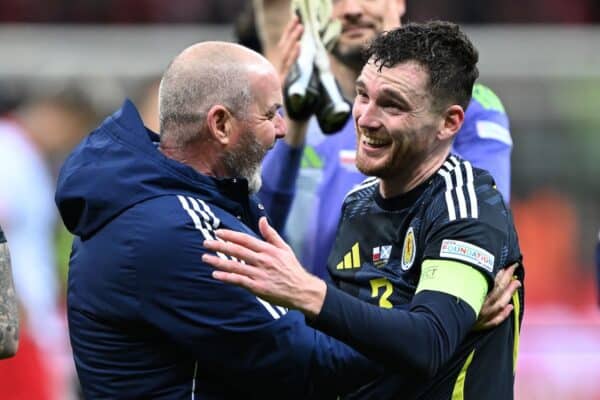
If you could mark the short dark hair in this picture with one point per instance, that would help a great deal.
(441, 48)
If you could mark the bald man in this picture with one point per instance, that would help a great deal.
(146, 319)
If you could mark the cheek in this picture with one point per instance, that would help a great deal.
(356, 109)
(375, 10)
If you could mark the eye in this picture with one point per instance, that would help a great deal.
(361, 95)
(272, 114)
(392, 108)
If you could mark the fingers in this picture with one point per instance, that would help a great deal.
(291, 33)
(271, 234)
(231, 249)
(233, 272)
(507, 293)
(504, 283)
(502, 280)
(241, 239)
(496, 307)
(228, 265)
(289, 46)
(497, 319)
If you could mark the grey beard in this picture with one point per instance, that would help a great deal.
(244, 161)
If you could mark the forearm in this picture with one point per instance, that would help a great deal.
(9, 316)
(431, 330)
(296, 132)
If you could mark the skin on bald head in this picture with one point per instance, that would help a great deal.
(202, 76)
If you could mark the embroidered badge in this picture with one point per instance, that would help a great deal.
(409, 250)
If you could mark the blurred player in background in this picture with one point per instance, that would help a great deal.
(308, 173)
(40, 130)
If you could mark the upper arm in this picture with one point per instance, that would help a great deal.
(473, 238)
(9, 317)
(236, 333)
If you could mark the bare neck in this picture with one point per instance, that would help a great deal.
(202, 160)
(415, 175)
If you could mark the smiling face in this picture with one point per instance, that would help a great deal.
(256, 130)
(396, 124)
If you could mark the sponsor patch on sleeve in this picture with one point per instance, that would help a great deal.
(468, 252)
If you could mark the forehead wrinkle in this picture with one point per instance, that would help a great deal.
(405, 85)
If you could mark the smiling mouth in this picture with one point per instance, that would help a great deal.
(374, 142)
(355, 29)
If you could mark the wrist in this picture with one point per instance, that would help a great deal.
(296, 132)
(311, 298)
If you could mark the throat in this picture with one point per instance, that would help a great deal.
(410, 177)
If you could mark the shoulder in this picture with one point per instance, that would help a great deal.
(2, 238)
(166, 223)
(465, 192)
(363, 190)
(468, 219)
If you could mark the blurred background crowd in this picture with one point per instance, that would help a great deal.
(67, 64)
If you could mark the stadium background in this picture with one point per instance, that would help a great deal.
(542, 57)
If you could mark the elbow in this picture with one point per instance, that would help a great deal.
(9, 343)
(9, 349)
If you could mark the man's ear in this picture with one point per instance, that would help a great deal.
(220, 123)
(452, 122)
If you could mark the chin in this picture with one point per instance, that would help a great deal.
(370, 169)
(254, 183)
(349, 53)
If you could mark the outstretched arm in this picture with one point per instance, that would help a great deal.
(9, 315)
(272, 271)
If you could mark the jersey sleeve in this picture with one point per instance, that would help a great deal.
(280, 170)
(472, 242)
(485, 139)
(416, 341)
(2, 238)
(471, 224)
(229, 329)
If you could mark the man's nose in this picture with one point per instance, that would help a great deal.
(368, 116)
(351, 9)
(280, 127)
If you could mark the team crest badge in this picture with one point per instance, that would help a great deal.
(409, 250)
(381, 255)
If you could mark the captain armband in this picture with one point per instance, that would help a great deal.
(456, 279)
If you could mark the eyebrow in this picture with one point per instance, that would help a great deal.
(386, 92)
(274, 107)
(395, 95)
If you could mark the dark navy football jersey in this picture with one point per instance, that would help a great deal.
(456, 215)
(2, 238)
